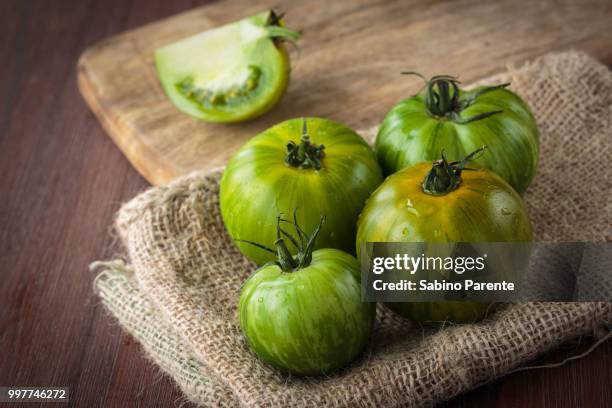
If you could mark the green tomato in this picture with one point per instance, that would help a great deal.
(304, 314)
(315, 165)
(440, 204)
(230, 74)
(446, 118)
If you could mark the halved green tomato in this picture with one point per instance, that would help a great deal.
(229, 74)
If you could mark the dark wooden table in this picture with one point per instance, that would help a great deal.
(62, 179)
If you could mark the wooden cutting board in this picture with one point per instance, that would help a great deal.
(348, 70)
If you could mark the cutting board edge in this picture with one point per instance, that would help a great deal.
(137, 153)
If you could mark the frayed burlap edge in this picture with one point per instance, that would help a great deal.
(422, 374)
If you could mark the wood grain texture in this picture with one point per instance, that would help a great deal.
(63, 180)
(351, 55)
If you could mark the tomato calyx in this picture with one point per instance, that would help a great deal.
(443, 98)
(302, 241)
(445, 177)
(277, 30)
(306, 154)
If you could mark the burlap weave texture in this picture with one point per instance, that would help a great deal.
(178, 294)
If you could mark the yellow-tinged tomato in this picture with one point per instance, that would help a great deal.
(442, 203)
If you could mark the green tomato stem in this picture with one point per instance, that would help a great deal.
(303, 243)
(284, 259)
(283, 33)
(305, 155)
(305, 254)
(443, 98)
(445, 177)
(277, 30)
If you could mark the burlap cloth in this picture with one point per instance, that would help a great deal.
(178, 294)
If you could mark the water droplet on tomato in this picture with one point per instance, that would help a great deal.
(411, 209)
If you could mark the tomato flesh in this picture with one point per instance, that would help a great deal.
(230, 74)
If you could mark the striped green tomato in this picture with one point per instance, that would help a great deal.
(446, 118)
(316, 166)
(439, 203)
(309, 320)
